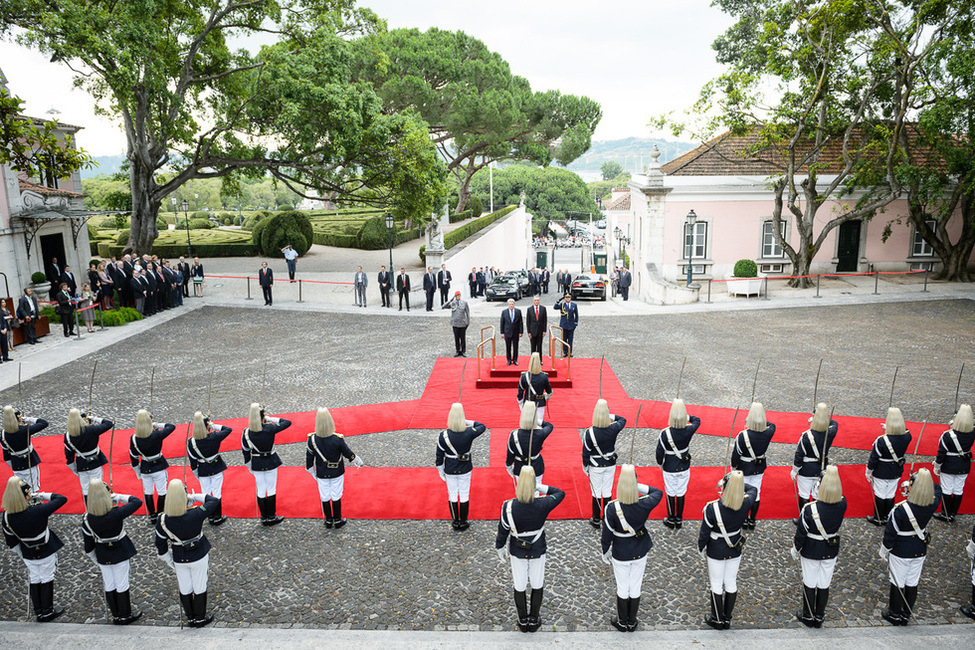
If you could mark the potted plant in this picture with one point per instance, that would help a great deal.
(744, 280)
(39, 283)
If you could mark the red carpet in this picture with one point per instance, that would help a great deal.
(418, 493)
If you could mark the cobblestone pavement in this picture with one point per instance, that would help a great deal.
(419, 575)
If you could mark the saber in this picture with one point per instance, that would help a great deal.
(680, 377)
(730, 436)
(826, 445)
(891, 401)
(916, 446)
(633, 438)
(816, 385)
(754, 382)
(91, 384)
(20, 387)
(957, 386)
(152, 384)
(111, 448)
(210, 390)
(462, 371)
(601, 361)
(263, 383)
(186, 446)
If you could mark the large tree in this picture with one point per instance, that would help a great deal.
(34, 146)
(193, 107)
(477, 111)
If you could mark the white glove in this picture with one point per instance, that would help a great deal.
(155, 425)
(704, 553)
(869, 476)
(503, 553)
(44, 496)
(794, 552)
(884, 553)
(138, 472)
(970, 549)
(511, 470)
(541, 489)
(91, 556)
(608, 557)
(937, 469)
(311, 471)
(96, 420)
(469, 423)
(274, 420)
(30, 420)
(120, 498)
(74, 468)
(794, 473)
(167, 557)
(16, 549)
(521, 403)
(642, 489)
(196, 498)
(357, 461)
(585, 470)
(443, 475)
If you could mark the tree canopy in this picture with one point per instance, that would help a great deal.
(610, 170)
(34, 147)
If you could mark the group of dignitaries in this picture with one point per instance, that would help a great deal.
(146, 283)
(513, 326)
(178, 517)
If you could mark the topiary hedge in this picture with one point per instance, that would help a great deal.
(745, 269)
(454, 237)
(121, 240)
(200, 224)
(463, 216)
(288, 227)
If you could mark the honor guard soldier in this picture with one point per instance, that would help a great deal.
(674, 458)
(626, 542)
(748, 454)
(954, 462)
(534, 386)
(525, 443)
(145, 454)
(812, 454)
(109, 547)
(18, 450)
(885, 467)
(523, 521)
(181, 544)
(969, 610)
(816, 546)
(905, 544)
(323, 460)
(25, 531)
(454, 462)
(257, 446)
(599, 456)
(81, 451)
(203, 450)
(721, 541)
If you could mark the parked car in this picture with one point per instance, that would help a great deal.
(588, 286)
(503, 287)
(521, 277)
(601, 224)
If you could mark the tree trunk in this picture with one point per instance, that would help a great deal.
(464, 175)
(145, 208)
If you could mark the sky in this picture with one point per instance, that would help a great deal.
(637, 59)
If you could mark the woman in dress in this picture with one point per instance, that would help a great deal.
(145, 454)
(86, 299)
(323, 460)
(107, 287)
(197, 273)
(203, 450)
(454, 462)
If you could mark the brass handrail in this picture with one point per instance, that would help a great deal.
(480, 355)
(551, 336)
(568, 358)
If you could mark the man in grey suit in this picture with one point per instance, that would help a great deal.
(460, 319)
(360, 282)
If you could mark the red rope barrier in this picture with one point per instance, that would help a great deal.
(247, 277)
(820, 275)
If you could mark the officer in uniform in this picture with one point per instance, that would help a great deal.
(109, 547)
(885, 467)
(25, 530)
(454, 462)
(523, 520)
(257, 446)
(748, 454)
(674, 458)
(323, 460)
(969, 610)
(812, 454)
(203, 450)
(720, 542)
(181, 544)
(534, 385)
(18, 450)
(145, 454)
(568, 321)
(817, 544)
(905, 544)
(81, 451)
(599, 456)
(954, 462)
(626, 542)
(525, 443)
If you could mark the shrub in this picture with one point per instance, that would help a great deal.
(161, 224)
(254, 219)
(288, 227)
(129, 314)
(463, 216)
(51, 316)
(454, 237)
(200, 224)
(373, 235)
(38, 277)
(122, 240)
(200, 214)
(475, 206)
(228, 221)
(745, 269)
(112, 318)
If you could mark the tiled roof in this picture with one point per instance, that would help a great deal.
(621, 203)
(26, 185)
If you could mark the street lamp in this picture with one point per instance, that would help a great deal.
(389, 227)
(186, 215)
(691, 220)
(619, 239)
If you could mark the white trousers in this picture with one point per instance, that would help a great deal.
(192, 576)
(905, 571)
(41, 571)
(458, 487)
(212, 484)
(817, 574)
(629, 576)
(723, 574)
(756, 482)
(330, 489)
(807, 485)
(267, 482)
(601, 481)
(155, 480)
(885, 488)
(675, 483)
(87, 476)
(525, 571)
(953, 483)
(31, 477)
(115, 576)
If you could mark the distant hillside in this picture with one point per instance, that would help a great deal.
(104, 166)
(632, 153)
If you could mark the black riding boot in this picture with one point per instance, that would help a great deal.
(729, 607)
(125, 613)
(464, 507)
(669, 521)
(454, 519)
(969, 610)
(327, 513)
(894, 607)
(877, 518)
(186, 600)
(752, 515)
(822, 597)
(35, 598)
(910, 593)
(534, 618)
(805, 613)
(48, 611)
(338, 522)
(111, 597)
(631, 620)
(678, 512)
(200, 616)
(621, 620)
(521, 606)
(261, 509)
(161, 504)
(217, 518)
(597, 513)
(717, 611)
(271, 504)
(150, 507)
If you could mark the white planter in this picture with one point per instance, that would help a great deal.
(744, 286)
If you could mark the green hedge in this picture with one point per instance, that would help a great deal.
(243, 249)
(454, 237)
(463, 216)
(339, 240)
(288, 227)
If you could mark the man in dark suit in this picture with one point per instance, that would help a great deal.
(184, 268)
(385, 284)
(537, 324)
(625, 281)
(403, 288)
(67, 277)
(138, 285)
(566, 282)
(481, 281)
(512, 328)
(28, 312)
(472, 282)
(266, 278)
(430, 286)
(546, 278)
(65, 309)
(54, 271)
(568, 320)
(443, 283)
(149, 282)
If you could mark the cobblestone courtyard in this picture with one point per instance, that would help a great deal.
(419, 575)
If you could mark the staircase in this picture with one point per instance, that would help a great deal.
(505, 376)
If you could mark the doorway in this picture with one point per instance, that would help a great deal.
(848, 247)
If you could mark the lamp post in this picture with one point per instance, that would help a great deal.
(186, 215)
(389, 227)
(691, 220)
(619, 240)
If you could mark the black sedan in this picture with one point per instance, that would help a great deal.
(588, 286)
(521, 277)
(503, 287)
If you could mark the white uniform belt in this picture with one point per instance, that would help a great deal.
(525, 459)
(675, 453)
(889, 460)
(809, 459)
(36, 542)
(148, 458)
(752, 459)
(956, 453)
(909, 533)
(731, 533)
(524, 534)
(818, 537)
(22, 452)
